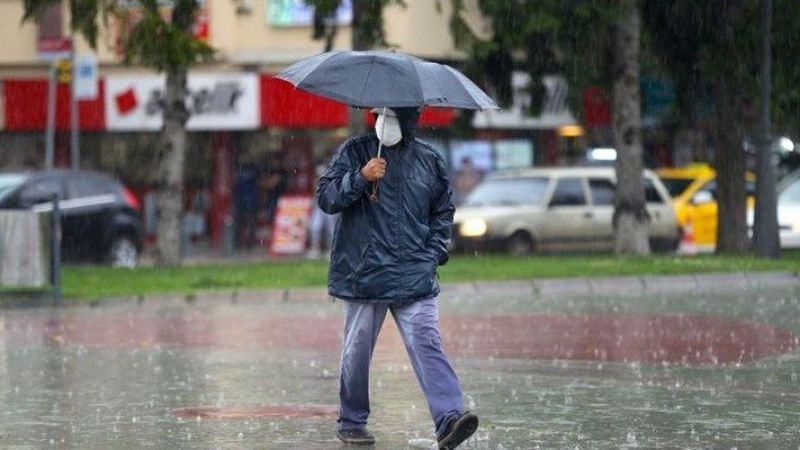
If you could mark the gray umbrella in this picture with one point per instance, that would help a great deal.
(380, 78)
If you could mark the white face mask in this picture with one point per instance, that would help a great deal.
(388, 130)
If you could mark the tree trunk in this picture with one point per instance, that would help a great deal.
(170, 186)
(631, 220)
(729, 159)
(766, 238)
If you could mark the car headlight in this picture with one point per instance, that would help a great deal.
(474, 227)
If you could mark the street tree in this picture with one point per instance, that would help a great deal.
(590, 43)
(631, 218)
(710, 49)
(162, 40)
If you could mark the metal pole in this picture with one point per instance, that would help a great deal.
(374, 195)
(383, 125)
(55, 249)
(766, 241)
(74, 136)
(50, 129)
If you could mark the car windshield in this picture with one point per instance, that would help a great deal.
(9, 181)
(790, 195)
(508, 192)
(676, 186)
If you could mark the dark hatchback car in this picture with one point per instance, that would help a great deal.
(101, 218)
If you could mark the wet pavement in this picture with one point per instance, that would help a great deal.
(542, 371)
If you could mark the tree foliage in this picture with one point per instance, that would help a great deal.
(161, 37)
(785, 70)
(367, 27)
(541, 37)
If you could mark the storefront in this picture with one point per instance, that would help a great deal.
(252, 138)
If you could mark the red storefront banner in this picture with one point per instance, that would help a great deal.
(281, 105)
(437, 117)
(284, 106)
(26, 106)
(431, 117)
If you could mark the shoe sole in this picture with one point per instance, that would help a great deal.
(355, 441)
(462, 430)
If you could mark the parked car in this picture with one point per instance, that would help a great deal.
(789, 210)
(694, 192)
(101, 218)
(555, 209)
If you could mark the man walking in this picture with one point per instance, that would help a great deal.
(384, 259)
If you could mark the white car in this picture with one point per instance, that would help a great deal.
(789, 211)
(555, 209)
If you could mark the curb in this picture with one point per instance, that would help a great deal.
(631, 285)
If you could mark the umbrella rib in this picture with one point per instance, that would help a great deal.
(366, 82)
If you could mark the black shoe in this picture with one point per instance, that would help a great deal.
(458, 431)
(356, 437)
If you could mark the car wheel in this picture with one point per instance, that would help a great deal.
(520, 244)
(123, 252)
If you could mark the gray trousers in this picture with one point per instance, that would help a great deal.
(418, 323)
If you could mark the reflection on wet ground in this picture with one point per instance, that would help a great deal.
(588, 372)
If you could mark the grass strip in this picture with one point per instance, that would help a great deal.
(91, 282)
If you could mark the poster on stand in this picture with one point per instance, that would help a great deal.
(291, 225)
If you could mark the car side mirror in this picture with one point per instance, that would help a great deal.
(702, 197)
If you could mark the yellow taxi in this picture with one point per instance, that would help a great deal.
(694, 195)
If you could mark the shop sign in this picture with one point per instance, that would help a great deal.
(215, 102)
(294, 13)
(52, 43)
(554, 110)
(85, 77)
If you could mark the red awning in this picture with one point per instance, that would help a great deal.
(284, 106)
(26, 106)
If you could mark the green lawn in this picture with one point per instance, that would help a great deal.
(97, 282)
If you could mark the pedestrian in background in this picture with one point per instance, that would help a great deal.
(384, 259)
(320, 227)
(245, 197)
(466, 179)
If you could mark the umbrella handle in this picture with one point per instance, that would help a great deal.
(373, 197)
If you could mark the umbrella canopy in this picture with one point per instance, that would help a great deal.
(366, 79)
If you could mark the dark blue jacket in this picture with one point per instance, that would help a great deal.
(387, 251)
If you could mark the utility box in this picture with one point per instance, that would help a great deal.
(24, 249)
